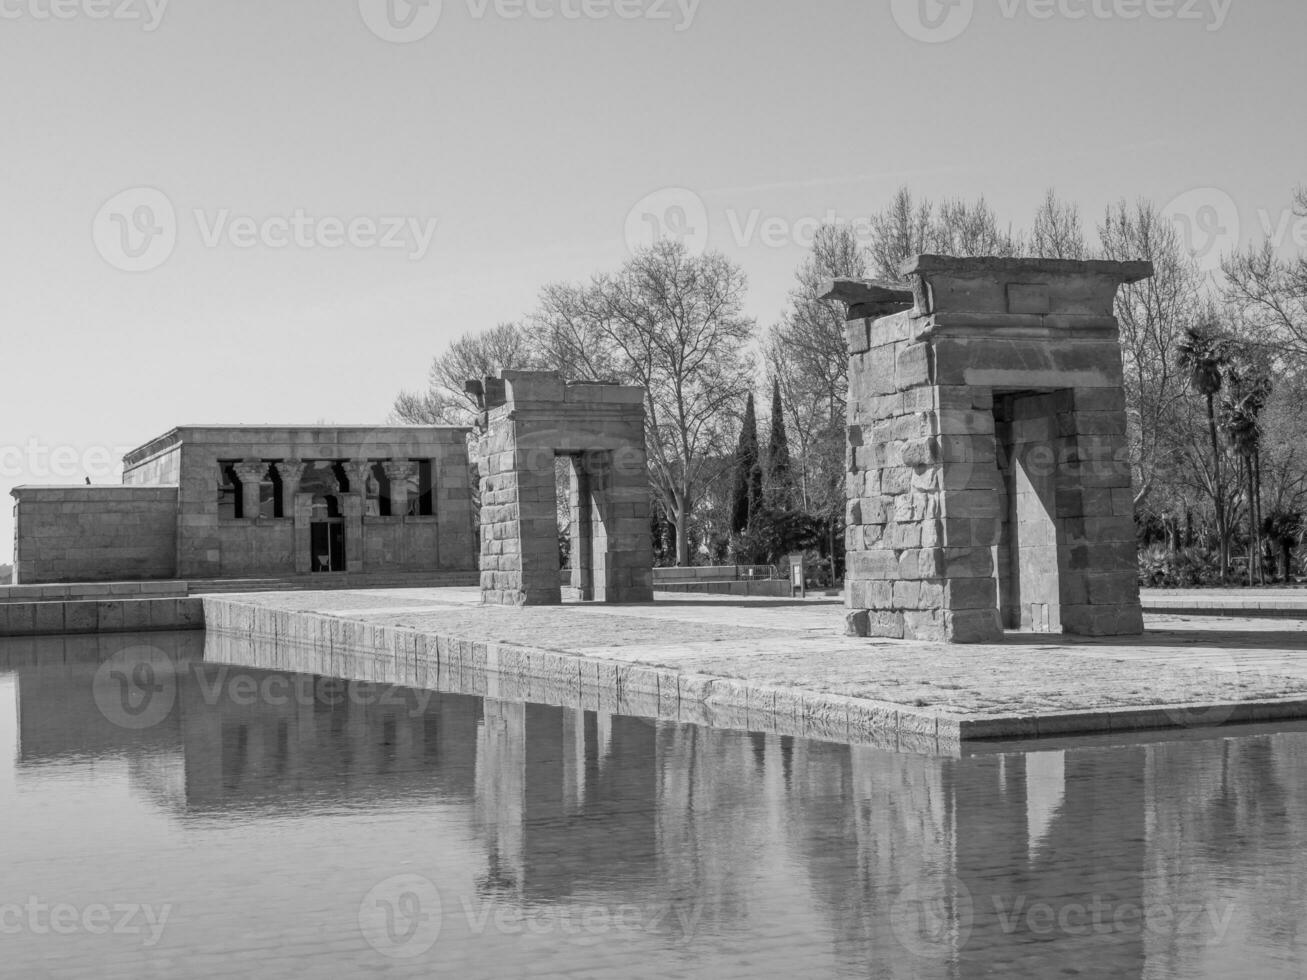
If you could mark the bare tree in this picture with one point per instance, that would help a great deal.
(1154, 315)
(672, 323)
(473, 355)
(1270, 291)
(958, 227)
(1058, 233)
(899, 232)
(971, 228)
(808, 355)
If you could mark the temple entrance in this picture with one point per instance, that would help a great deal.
(577, 477)
(1031, 454)
(327, 535)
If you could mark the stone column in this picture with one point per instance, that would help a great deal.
(399, 472)
(358, 471)
(353, 510)
(303, 514)
(251, 473)
(583, 551)
(291, 472)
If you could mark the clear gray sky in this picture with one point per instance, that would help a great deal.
(533, 134)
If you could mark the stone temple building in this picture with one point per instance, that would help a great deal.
(258, 502)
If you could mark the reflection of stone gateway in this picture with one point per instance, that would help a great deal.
(989, 481)
(531, 419)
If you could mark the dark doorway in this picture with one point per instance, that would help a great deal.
(327, 535)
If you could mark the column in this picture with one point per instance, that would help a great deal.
(399, 472)
(352, 504)
(251, 473)
(582, 530)
(300, 511)
(291, 472)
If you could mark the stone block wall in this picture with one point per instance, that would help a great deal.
(532, 418)
(210, 547)
(988, 476)
(94, 534)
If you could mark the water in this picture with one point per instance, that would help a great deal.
(240, 822)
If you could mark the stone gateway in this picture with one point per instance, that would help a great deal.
(532, 418)
(989, 481)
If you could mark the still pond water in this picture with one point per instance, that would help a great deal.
(180, 818)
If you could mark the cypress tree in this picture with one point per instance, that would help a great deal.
(780, 475)
(746, 493)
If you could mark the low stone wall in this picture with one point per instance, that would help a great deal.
(769, 588)
(58, 618)
(94, 534)
(260, 637)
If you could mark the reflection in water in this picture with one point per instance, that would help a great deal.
(319, 825)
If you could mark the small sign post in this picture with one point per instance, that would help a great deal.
(798, 576)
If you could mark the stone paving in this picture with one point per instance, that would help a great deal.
(1034, 684)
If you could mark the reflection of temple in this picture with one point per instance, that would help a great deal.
(916, 866)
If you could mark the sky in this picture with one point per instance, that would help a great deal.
(278, 211)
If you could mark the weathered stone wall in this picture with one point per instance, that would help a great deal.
(94, 534)
(988, 468)
(210, 547)
(532, 418)
(161, 466)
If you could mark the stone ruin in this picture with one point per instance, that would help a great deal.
(529, 420)
(989, 481)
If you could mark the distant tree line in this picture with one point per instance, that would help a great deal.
(1216, 383)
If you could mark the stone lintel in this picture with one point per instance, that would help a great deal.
(1020, 287)
(868, 298)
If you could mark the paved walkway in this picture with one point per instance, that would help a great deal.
(1185, 670)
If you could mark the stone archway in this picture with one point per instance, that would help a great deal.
(989, 476)
(530, 419)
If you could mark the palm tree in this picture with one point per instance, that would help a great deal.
(1205, 354)
(1250, 390)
